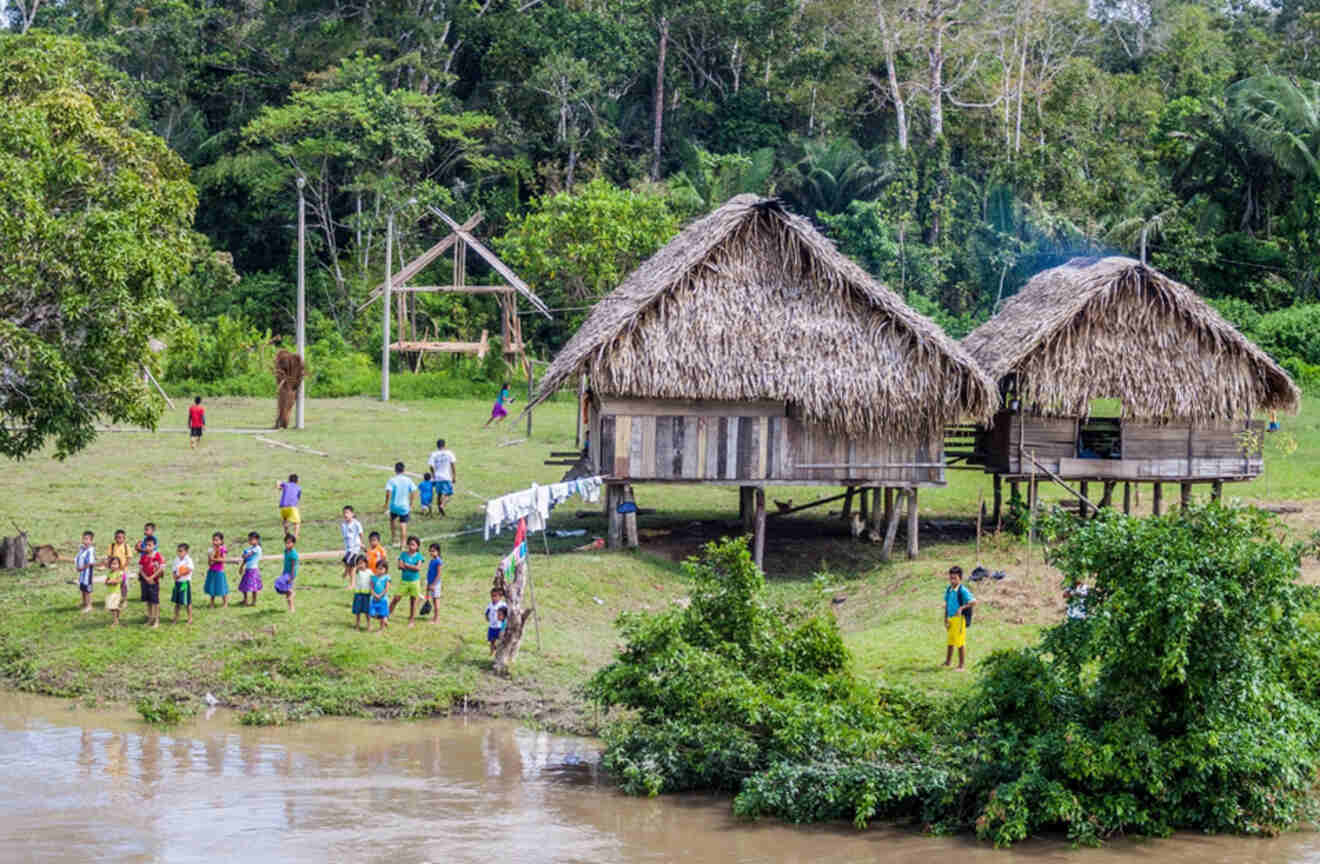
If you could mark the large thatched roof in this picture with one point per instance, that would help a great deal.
(1112, 328)
(751, 302)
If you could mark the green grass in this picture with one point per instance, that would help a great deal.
(280, 667)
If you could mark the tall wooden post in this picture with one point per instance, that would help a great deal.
(1081, 503)
(891, 528)
(630, 538)
(912, 546)
(747, 506)
(865, 509)
(614, 495)
(999, 499)
(385, 325)
(879, 512)
(1217, 490)
(582, 395)
(301, 324)
(1185, 495)
(758, 537)
(1107, 497)
(1127, 499)
(847, 503)
(889, 504)
(1157, 499)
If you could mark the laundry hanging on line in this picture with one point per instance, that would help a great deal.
(535, 504)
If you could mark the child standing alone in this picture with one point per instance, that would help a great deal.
(958, 602)
(86, 563)
(434, 581)
(251, 581)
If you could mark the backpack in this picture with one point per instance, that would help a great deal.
(966, 613)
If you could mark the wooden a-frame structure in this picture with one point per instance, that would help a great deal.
(460, 240)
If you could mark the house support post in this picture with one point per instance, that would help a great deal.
(1185, 495)
(1217, 490)
(1157, 499)
(758, 537)
(613, 496)
(891, 529)
(1127, 499)
(999, 499)
(912, 547)
(1107, 498)
(630, 520)
(847, 503)
(747, 506)
(1082, 509)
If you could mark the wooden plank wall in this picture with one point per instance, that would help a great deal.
(655, 446)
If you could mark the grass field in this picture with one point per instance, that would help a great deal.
(280, 666)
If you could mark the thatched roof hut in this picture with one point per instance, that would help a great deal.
(752, 303)
(1113, 328)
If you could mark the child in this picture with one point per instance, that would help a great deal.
(217, 583)
(85, 564)
(114, 581)
(149, 567)
(196, 422)
(497, 411)
(434, 581)
(425, 489)
(504, 619)
(362, 579)
(290, 495)
(351, 529)
(493, 619)
(284, 584)
(957, 600)
(251, 581)
(410, 578)
(444, 474)
(182, 595)
(399, 492)
(376, 554)
(380, 596)
(148, 533)
(119, 549)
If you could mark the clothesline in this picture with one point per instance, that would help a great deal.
(535, 504)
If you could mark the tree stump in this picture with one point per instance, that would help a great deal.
(13, 552)
(506, 648)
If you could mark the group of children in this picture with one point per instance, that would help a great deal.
(367, 573)
(119, 558)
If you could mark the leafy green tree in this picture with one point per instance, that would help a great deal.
(709, 179)
(95, 218)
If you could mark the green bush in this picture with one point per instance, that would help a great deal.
(1304, 375)
(1291, 332)
(163, 711)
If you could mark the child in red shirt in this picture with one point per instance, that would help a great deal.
(149, 568)
(196, 422)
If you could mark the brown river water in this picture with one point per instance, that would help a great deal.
(82, 785)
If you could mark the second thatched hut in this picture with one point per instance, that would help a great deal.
(749, 352)
(1187, 384)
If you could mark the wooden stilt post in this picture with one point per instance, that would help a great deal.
(912, 546)
(999, 499)
(891, 529)
(865, 506)
(630, 537)
(1157, 498)
(1127, 499)
(613, 495)
(747, 506)
(1217, 490)
(879, 513)
(1031, 512)
(1107, 498)
(1185, 495)
(847, 503)
(980, 511)
(1081, 505)
(758, 538)
(889, 504)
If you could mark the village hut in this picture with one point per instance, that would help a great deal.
(750, 352)
(1189, 387)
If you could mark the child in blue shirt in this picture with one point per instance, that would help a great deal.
(496, 615)
(958, 602)
(434, 581)
(426, 492)
(86, 563)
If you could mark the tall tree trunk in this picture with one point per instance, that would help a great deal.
(1021, 91)
(659, 97)
(506, 649)
(896, 93)
(936, 69)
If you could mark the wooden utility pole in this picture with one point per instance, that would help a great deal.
(385, 338)
(302, 302)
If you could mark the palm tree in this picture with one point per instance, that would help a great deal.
(833, 173)
(709, 179)
(1281, 120)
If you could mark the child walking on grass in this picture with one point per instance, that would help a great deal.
(114, 582)
(380, 596)
(958, 602)
(284, 584)
(149, 569)
(362, 586)
(183, 569)
(86, 563)
(410, 578)
(494, 620)
(434, 581)
(426, 492)
(290, 498)
(217, 583)
(251, 581)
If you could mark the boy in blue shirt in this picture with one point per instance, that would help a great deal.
(958, 602)
(399, 493)
(434, 581)
(426, 491)
(86, 563)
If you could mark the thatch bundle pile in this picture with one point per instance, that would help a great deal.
(1113, 328)
(289, 372)
(753, 303)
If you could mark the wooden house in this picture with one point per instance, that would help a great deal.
(748, 352)
(1188, 386)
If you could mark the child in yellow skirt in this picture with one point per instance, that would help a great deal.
(958, 602)
(114, 582)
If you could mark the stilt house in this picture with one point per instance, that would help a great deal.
(749, 352)
(1189, 386)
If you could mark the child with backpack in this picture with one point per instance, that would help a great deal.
(958, 603)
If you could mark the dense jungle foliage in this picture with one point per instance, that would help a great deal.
(1185, 698)
(953, 147)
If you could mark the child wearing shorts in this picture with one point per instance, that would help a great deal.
(494, 623)
(434, 581)
(284, 584)
(425, 492)
(351, 530)
(362, 580)
(410, 578)
(86, 564)
(149, 567)
(251, 581)
(183, 568)
(290, 498)
(114, 582)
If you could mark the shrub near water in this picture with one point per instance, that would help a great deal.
(1185, 699)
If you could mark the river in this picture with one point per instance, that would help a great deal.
(85, 784)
